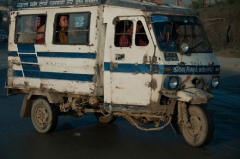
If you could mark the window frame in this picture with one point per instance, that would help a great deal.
(144, 33)
(68, 14)
(118, 34)
(16, 27)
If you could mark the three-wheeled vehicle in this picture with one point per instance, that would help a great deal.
(150, 63)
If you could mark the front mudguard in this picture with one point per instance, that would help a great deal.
(194, 96)
(191, 96)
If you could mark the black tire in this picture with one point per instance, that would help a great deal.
(202, 129)
(176, 127)
(44, 116)
(105, 119)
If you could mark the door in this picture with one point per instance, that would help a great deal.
(130, 75)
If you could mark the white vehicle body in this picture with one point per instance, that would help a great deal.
(133, 82)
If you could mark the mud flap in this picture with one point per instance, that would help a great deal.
(26, 107)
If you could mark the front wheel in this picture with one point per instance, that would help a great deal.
(202, 127)
(44, 116)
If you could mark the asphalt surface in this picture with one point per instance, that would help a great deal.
(84, 137)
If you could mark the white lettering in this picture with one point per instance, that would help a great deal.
(79, 1)
(43, 3)
(191, 70)
(22, 5)
(33, 4)
(69, 2)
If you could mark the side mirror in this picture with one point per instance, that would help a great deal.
(228, 38)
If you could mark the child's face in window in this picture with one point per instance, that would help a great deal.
(63, 21)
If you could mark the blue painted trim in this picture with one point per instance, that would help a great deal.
(132, 68)
(54, 75)
(107, 66)
(67, 54)
(31, 73)
(66, 76)
(161, 69)
(12, 53)
(28, 58)
(30, 67)
(17, 73)
(26, 48)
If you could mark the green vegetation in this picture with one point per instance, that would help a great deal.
(216, 18)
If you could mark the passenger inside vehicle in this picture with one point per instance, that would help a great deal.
(27, 35)
(62, 29)
(125, 39)
(141, 38)
(40, 35)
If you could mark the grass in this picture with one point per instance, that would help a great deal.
(229, 52)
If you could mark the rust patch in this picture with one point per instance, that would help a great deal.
(153, 84)
(202, 81)
(115, 20)
(145, 59)
(185, 81)
(90, 44)
(119, 87)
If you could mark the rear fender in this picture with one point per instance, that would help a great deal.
(26, 107)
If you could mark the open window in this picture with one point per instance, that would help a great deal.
(123, 33)
(141, 37)
(72, 28)
(30, 29)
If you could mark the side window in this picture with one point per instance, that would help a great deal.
(72, 28)
(30, 29)
(141, 37)
(123, 33)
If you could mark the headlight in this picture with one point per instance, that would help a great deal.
(215, 82)
(171, 82)
(184, 47)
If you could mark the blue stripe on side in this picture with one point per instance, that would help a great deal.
(127, 68)
(12, 53)
(162, 69)
(107, 66)
(53, 75)
(66, 76)
(132, 68)
(26, 48)
(31, 67)
(17, 73)
(67, 54)
(28, 58)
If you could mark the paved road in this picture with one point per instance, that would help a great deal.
(85, 138)
(3, 56)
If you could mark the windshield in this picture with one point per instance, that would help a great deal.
(172, 31)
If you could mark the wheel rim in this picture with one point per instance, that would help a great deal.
(41, 116)
(197, 127)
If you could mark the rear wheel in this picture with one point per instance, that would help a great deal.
(44, 116)
(105, 119)
(202, 127)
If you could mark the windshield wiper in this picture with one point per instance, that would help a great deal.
(192, 48)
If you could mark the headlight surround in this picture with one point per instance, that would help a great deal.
(213, 82)
(171, 82)
(184, 47)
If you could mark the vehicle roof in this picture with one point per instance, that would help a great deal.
(136, 4)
